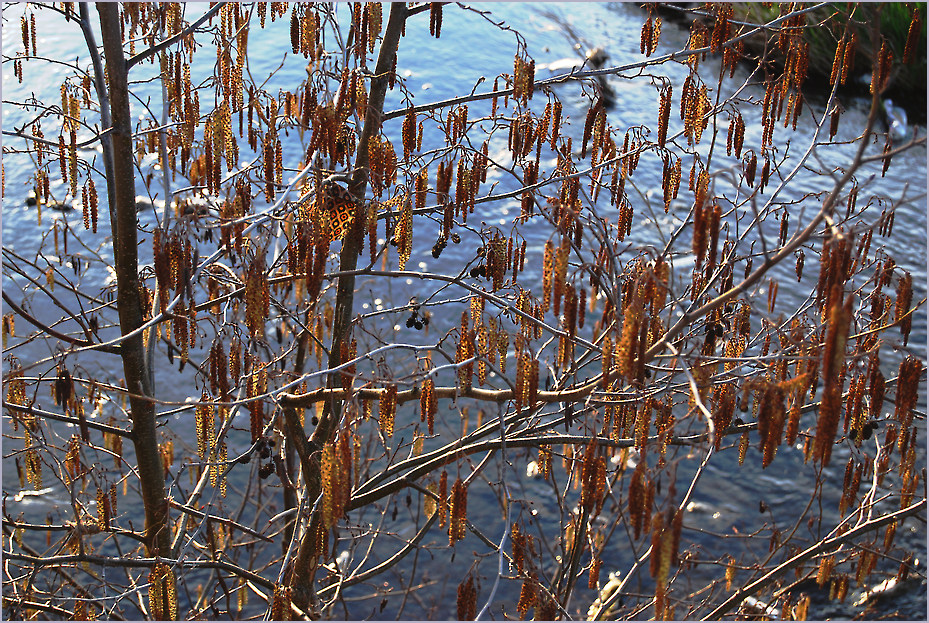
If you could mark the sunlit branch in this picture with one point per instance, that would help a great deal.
(141, 56)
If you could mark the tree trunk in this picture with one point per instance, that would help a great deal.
(125, 252)
(307, 559)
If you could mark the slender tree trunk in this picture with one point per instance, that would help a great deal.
(100, 88)
(125, 252)
(351, 245)
(307, 559)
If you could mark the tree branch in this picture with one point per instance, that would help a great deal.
(52, 332)
(824, 545)
(141, 56)
(103, 428)
(132, 563)
(306, 559)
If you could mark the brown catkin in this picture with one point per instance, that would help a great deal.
(902, 308)
(833, 358)
(750, 167)
(639, 510)
(909, 376)
(837, 61)
(435, 19)
(885, 61)
(466, 603)
(458, 512)
(664, 113)
(645, 36)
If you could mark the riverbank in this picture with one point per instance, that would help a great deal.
(907, 83)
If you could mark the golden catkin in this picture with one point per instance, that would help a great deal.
(428, 403)
(405, 232)
(848, 62)
(162, 593)
(103, 510)
(594, 577)
(387, 410)
(85, 207)
(205, 425)
(750, 166)
(824, 570)
(328, 469)
(483, 344)
(802, 608)
(257, 297)
(743, 447)
(523, 79)
(836, 72)
(221, 458)
(548, 265)
(465, 352)
(156, 592)
(556, 122)
(658, 565)
(739, 135)
(429, 502)
(528, 596)
(698, 39)
(592, 479)
(722, 26)
(519, 391)
(656, 35)
(545, 461)
(730, 572)
(503, 341)
(280, 603)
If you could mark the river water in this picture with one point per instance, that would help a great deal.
(470, 48)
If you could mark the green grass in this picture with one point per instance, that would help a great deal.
(826, 26)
